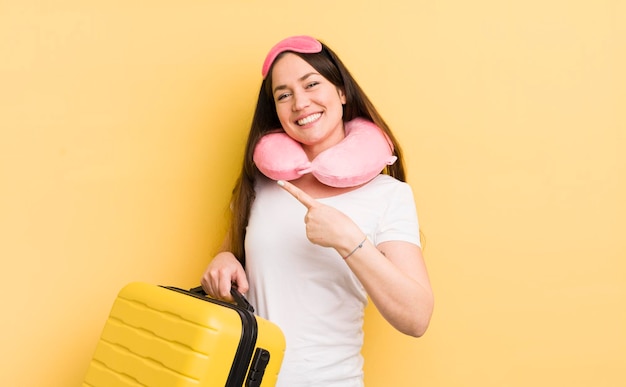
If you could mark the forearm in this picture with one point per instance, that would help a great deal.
(396, 281)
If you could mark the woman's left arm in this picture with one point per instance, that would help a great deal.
(393, 273)
(395, 277)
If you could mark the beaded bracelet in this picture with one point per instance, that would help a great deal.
(356, 248)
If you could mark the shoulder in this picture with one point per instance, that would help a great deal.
(262, 182)
(383, 190)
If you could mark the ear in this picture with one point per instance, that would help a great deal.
(342, 95)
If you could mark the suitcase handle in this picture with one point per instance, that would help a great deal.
(239, 298)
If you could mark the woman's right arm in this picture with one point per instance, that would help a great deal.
(223, 271)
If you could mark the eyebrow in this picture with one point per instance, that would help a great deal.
(302, 78)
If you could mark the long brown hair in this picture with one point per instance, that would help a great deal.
(265, 120)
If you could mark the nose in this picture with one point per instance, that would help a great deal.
(300, 101)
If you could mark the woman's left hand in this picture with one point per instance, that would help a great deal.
(325, 225)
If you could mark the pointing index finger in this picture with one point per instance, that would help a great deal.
(297, 193)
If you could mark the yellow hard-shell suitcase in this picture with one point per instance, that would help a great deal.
(169, 337)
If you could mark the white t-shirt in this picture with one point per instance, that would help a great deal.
(308, 290)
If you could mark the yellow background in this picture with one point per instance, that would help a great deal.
(122, 125)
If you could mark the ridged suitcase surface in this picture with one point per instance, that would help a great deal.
(168, 337)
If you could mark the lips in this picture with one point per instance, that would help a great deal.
(308, 119)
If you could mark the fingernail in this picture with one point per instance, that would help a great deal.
(281, 183)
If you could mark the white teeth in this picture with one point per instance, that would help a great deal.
(309, 119)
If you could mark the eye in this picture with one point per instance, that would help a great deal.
(282, 96)
(312, 84)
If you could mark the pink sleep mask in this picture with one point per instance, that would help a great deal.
(358, 158)
(302, 44)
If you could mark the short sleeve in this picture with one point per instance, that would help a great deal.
(399, 222)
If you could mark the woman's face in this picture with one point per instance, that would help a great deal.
(309, 107)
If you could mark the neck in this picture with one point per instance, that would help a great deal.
(315, 149)
(317, 190)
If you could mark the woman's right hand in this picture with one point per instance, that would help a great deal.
(223, 271)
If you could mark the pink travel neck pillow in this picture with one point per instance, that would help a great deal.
(358, 158)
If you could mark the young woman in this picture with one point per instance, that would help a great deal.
(322, 219)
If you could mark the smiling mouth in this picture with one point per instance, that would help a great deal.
(309, 119)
